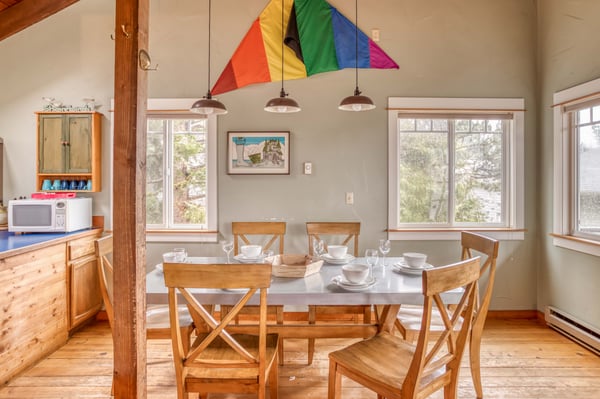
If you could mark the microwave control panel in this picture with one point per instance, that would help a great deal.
(60, 213)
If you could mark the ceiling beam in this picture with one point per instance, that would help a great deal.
(28, 12)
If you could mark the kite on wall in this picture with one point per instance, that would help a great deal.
(318, 39)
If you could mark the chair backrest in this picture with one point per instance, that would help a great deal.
(474, 244)
(437, 365)
(104, 249)
(180, 278)
(349, 232)
(273, 231)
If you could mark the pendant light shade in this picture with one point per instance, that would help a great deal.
(282, 104)
(356, 102)
(208, 105)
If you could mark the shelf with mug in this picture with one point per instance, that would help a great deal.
(80, 182)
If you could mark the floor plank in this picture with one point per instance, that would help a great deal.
(521, 359)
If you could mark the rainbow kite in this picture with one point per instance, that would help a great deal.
(318, 39)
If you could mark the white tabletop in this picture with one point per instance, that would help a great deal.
(390, 288)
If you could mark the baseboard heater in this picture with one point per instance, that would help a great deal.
(577, 330)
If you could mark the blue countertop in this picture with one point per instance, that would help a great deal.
(12, 241)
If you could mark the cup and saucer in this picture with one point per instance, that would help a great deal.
(354, 277)
(412, 263)
(250, 254)
(337, 255)
(245, 259)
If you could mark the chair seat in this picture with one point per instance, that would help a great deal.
(385, 358)
(219, 349)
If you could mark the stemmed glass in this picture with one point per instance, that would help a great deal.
(318, 248)
(227, 246)
(384, 247)
(371, 256)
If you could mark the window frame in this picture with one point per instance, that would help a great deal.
(564, 167)
(179, 108)
(514, 168)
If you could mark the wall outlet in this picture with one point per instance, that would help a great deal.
(349, 198)
(375, 35)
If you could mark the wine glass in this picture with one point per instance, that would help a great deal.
(371, 256)
(318, 248)
(384, 247)
(227, 246)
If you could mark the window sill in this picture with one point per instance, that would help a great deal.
(181, 236)
(453, 234)
(576, 244)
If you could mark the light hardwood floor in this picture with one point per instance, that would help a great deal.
(521, 359)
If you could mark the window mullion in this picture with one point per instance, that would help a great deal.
(451, 170)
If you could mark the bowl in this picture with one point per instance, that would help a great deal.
(414, 259)
(337, 251)
(170, 257)
(251, 251)
(355, 273)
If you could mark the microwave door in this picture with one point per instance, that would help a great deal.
(31, 215)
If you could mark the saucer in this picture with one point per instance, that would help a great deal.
(405, 265)
(341, 282)
(337, 261)
(243, 259)
(402, 268)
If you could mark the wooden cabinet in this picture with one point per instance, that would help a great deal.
(69, 149)
(85, 299)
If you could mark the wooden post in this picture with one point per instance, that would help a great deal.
(129, 213)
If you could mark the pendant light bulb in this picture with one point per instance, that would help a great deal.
(208, 105)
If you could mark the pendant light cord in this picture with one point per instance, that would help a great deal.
(208, 95)
(356, 42)
(282, 39)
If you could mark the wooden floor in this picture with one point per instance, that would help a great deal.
(521, 359)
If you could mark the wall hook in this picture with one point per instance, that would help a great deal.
(112, 36)
(146, 61)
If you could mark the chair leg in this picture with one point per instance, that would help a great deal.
(274, 381)
(334, 385)
(312, 319)
(475, 360)
(279, 317)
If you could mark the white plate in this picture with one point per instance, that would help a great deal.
(405, 265)
(337, 261)
(341, 282)
(243, 259)
(159, 267)
(401, 268)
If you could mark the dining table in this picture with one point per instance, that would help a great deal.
(390, 289)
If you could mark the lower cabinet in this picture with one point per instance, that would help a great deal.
(85, 299)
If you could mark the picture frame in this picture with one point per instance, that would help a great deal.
(258, 153)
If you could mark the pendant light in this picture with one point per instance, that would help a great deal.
(356, 102)
(208, 105)
(282, 104)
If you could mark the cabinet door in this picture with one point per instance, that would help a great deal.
(85, 298)
(51, 145)
(78, 157)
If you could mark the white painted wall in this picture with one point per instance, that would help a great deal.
(461, 48)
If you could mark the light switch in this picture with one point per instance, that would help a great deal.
(375, 35)
(307, 168)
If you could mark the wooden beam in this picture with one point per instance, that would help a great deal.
(129, 213)
(28, 12)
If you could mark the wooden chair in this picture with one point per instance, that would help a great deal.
(157, 316)
(347, 233)
(397, 369)
(408, 321)
(218, 361)
(272, 233)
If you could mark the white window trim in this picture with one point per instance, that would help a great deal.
(516, 166)
(182, 106)
(562, 179)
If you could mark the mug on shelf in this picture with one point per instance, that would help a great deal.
(56, 185)
(46, 184)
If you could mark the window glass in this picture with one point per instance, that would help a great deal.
(586, 195)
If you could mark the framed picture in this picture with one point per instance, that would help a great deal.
(258, 153)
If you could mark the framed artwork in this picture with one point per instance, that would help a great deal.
(258, 153)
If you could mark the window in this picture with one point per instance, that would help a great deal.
(181, 173)
(577, 168)
(455, 164)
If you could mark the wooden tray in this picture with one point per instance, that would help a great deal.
(295, 265)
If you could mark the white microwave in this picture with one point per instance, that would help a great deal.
(60, 215)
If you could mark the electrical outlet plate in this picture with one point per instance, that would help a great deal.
(307, 168)
(349, 198)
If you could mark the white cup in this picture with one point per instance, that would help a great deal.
(251, 251)
(337, 251)
(355, 273)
